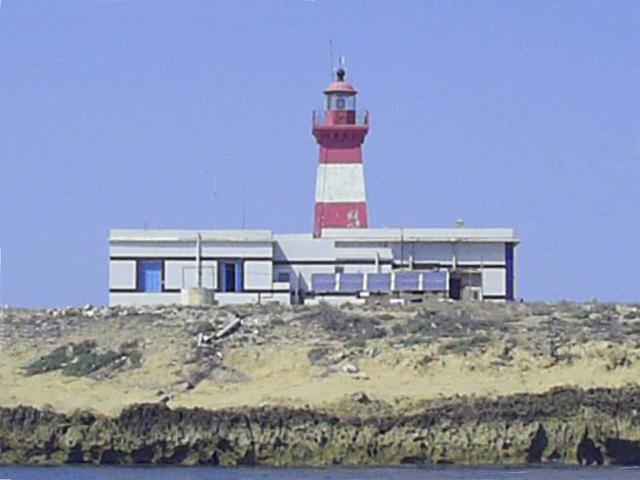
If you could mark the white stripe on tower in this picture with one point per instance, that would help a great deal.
(340, 183)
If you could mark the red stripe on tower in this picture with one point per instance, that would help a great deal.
(340, 131)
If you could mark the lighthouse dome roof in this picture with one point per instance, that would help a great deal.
(336, 87)
(340, 85)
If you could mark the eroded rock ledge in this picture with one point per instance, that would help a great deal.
(563, 425)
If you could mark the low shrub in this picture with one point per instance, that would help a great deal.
(84, 359)
(319, 354)
(53, 361)
(88, 363)
(60, 357)
(463, 345)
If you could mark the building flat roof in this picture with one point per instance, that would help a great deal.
(167, 235)
(458, 234)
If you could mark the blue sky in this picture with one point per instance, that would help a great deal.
(125, 113)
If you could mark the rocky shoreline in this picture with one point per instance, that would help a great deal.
(441, 382)
(564, 426)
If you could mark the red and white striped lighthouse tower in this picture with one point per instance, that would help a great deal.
(340, 130)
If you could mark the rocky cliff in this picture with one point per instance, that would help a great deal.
(564, 425)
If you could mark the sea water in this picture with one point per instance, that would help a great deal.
(333, 473)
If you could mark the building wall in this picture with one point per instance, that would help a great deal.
(140, 298)
(403, 252)
(301, 256)
(493, 282)
(180, 274)
(258, 274)
(122, 274)
(445, 252)
(304, 272)
(480, 253)
(297, 248)
(187, 249)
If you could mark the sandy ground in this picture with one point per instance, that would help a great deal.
(277, 374)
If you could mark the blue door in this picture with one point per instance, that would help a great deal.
(231, 275)
(455, 288)
(239, 284)
(149, 276)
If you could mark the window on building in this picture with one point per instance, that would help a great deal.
(149, 276)
(339, 269)
(341, 101)
(283, 277)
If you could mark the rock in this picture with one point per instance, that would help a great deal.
(361, 397)
(360, 376)
(506, 347)
(371, 352)
(337, 357)
(350, 368)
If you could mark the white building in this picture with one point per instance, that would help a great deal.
(343, 259)
(254, 266)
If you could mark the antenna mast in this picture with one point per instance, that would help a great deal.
(330, 58)
(243, 207)
(215, 202)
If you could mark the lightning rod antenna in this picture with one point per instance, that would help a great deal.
(331, 58)
(215, 201)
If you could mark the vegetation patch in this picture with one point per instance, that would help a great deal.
(86, 358)
(347, 326)
(318, 355)
(202, 326)
(412, 340)
(59, 358)
(87, 363)
(464, 345)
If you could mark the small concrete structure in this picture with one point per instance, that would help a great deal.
(197, 296)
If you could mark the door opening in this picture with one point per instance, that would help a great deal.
(455, 288)
(149, 276)
(230, 279)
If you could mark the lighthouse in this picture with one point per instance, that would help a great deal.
(340, 131)
(344, 259)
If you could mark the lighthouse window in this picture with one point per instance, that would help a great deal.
(341, 101)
